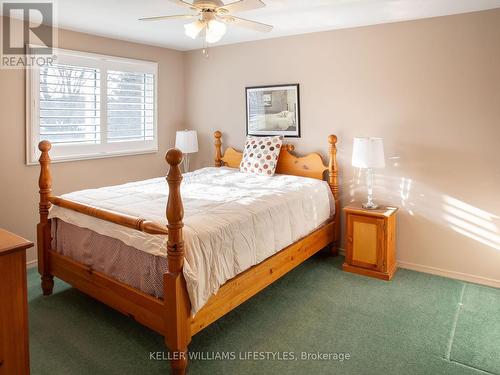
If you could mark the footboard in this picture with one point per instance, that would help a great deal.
(171, 316)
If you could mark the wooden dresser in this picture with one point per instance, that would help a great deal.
(371, 241)
(14, 353)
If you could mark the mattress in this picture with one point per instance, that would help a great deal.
(232, 221)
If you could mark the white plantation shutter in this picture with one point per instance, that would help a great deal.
(130, 106)
(91, 106)
(70, 104)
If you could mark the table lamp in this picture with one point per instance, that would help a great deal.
(187, 142)
(368, 153)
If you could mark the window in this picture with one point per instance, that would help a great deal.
(91, 106)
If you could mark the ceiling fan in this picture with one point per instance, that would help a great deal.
(213, 16)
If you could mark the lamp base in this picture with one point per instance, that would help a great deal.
(370, 206)
(185, 162)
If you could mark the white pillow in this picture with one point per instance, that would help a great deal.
(261, 155)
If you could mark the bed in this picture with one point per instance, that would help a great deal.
(178, 269)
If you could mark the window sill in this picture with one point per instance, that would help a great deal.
(95, 156)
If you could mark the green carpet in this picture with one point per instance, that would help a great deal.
(411, 325)
(476, 341)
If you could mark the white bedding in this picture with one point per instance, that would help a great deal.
(232, 220)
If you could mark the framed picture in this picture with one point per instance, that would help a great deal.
(273, 110)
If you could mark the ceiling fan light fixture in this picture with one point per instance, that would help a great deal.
(193, 29)
(215, 31)
(213, 16)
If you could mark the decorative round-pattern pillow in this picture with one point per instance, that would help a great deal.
(261, 155)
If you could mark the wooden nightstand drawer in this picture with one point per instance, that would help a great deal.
(370, 241)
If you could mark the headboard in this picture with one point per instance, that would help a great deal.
(310, 165)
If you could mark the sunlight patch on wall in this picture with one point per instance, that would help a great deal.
(405, 188)
(419, 200)
(471, 221)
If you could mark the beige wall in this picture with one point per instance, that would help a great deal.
(431, 88)
(18, 191)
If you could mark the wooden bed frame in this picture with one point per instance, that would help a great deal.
(171, 317)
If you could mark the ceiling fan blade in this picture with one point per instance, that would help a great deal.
(174, 17)
(184, 3)
(242, 6)
(236, 21)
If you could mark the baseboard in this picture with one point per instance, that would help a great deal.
(450, 274)
(409, 266)
(445, 273)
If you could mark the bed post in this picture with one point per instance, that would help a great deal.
(218, 150)
(177, 305)
(334, 186)
(43, 234)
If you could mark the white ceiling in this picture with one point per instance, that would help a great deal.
(118, 18)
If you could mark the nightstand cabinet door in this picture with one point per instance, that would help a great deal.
(365, 242)
(370, 241)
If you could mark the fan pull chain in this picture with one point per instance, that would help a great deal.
(205, 48)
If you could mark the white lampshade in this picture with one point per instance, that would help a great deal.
(215, 31)
(186, 141)
(368, 153)
(193, 29)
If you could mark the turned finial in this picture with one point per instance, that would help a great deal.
(333, 180)
(173, 156)
(44, 146)
(43, 228)
(218, 149)
(332, 167)
(175, 212)
(45, 179)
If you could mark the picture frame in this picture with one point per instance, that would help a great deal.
(273, 110)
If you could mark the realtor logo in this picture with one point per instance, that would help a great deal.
(27, 24)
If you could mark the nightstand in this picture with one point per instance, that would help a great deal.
(14, 353)
(370, 241)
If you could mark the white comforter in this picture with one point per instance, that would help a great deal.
(232, 220)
